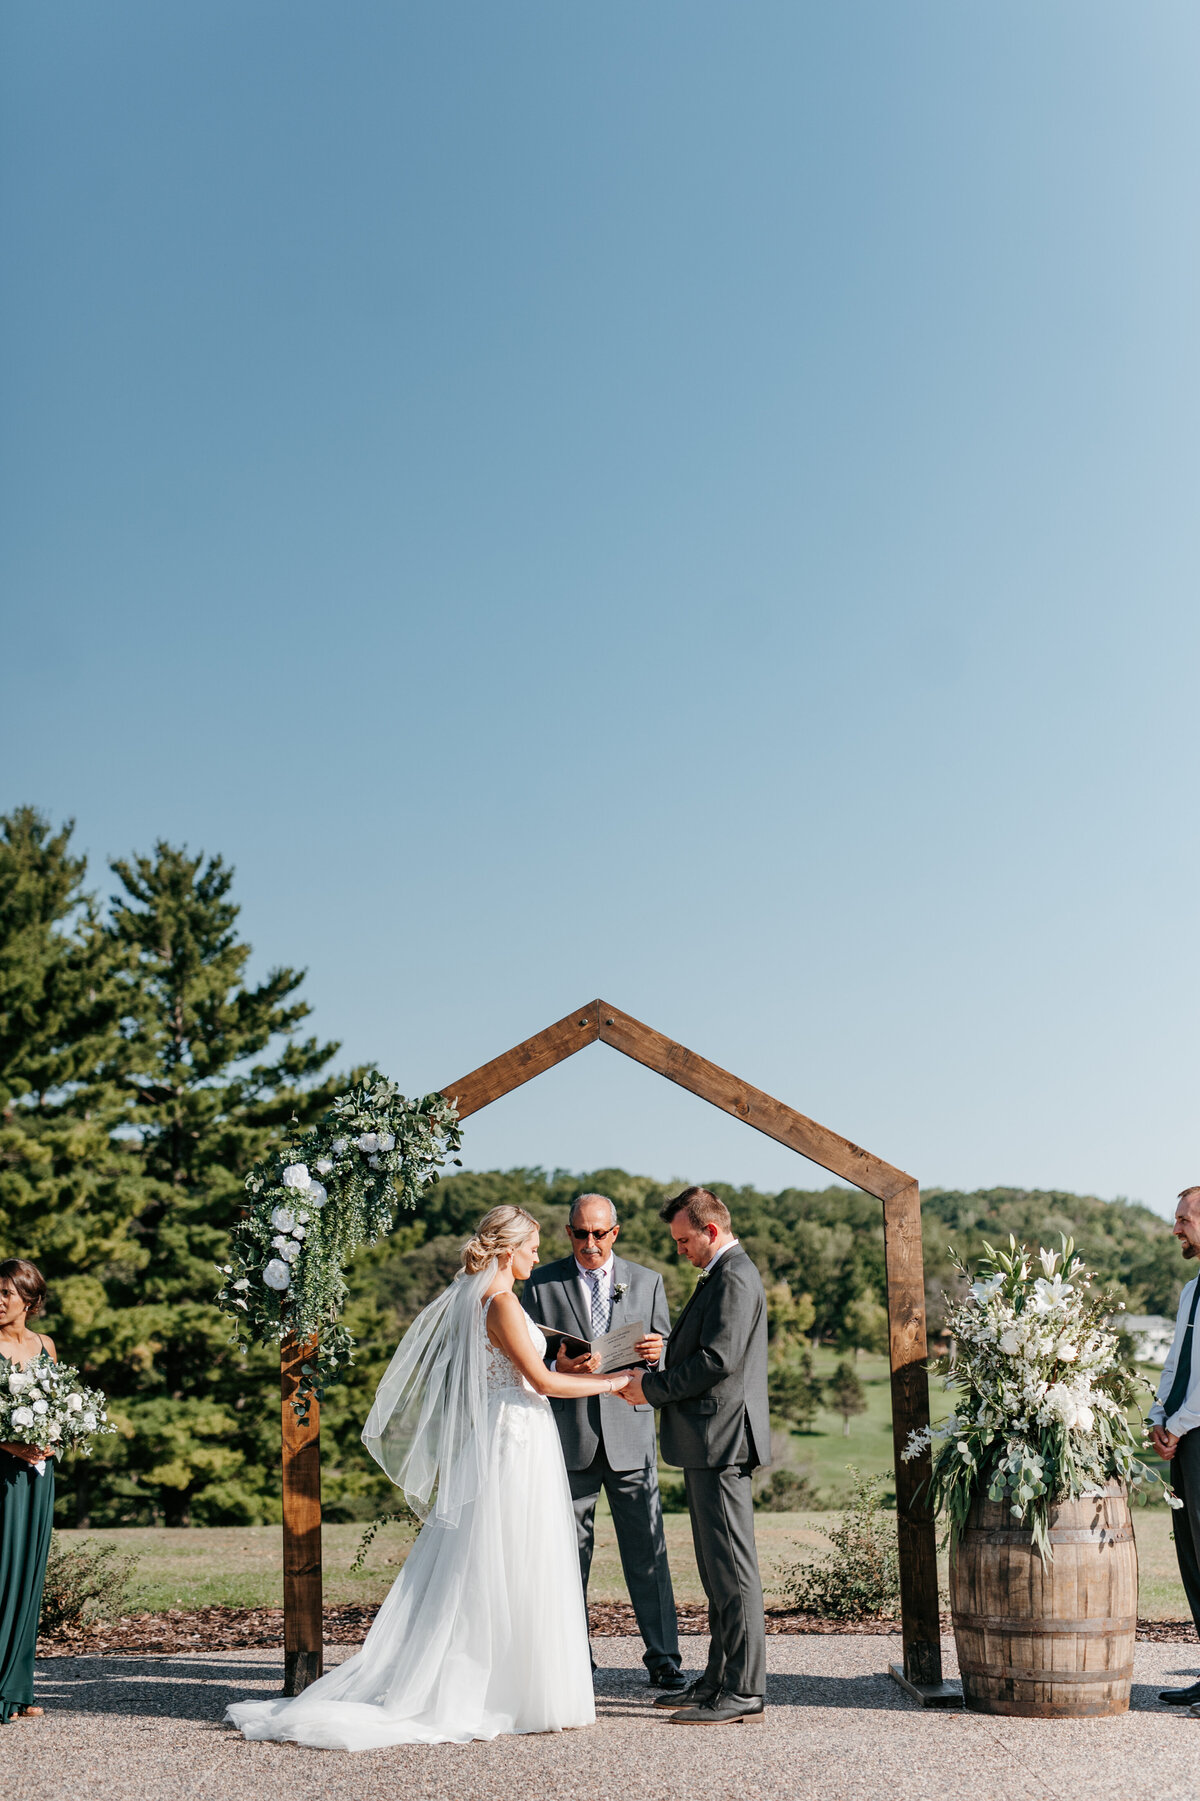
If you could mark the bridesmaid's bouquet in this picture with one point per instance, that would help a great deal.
(47, 1404)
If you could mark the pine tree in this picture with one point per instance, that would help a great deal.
(847, 1395)
(66, 1195)
(199, 1423)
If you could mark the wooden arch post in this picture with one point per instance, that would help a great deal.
(901, 1198)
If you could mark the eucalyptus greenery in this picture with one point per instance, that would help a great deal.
(313, 1202)
(1043, 1397)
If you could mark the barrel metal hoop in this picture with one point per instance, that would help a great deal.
(1039, 1628)
(1122, 1673)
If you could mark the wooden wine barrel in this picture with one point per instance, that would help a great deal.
(1053, 1640)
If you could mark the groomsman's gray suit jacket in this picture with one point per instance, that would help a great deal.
(554, 1297)
(713, 1388)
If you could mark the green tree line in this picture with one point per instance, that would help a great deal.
(142, 1071)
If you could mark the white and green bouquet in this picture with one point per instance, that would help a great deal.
(313, 1202)
(47, 1405)
(1043, 1395)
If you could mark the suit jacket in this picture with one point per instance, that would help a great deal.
(712, 1391)
(553, 1297)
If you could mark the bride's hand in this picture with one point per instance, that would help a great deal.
(620, 1381)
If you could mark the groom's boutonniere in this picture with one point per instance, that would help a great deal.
(620, 1288)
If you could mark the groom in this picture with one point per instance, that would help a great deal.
(714, 1422)
(606, 1446)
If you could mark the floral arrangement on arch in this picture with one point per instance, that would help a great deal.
(1041, 1414)
(313, 1202)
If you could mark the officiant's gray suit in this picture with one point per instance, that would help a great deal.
(609, 1445)
(715, 1426)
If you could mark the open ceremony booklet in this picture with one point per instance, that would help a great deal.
(614, 1349)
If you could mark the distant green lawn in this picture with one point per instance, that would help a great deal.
(238, 1566)
(241, 1566)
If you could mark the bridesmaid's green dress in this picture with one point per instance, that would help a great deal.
(26, 1516)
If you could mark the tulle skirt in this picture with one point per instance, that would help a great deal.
(484, 1631)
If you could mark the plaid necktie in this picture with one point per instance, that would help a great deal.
(599, 1302)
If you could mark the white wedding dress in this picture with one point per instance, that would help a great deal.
(484, 1630)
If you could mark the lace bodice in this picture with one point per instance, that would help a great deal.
(502, 1372)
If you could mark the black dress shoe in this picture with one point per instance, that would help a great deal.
(667, 1676)
(724, 1709)
(1181, 1697)
(694, 1693)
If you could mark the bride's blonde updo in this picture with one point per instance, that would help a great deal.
(503, 1229)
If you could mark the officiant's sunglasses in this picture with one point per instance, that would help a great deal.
(583, 1236)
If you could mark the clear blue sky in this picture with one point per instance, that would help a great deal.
(690, 503)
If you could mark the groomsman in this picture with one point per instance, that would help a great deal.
(1175, 1418)
(606, 1444)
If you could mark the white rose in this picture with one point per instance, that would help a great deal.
(89, 1421)
(303, 1215)
(39, 1407)
(1009, 1343)
(1084, 1418)
(53, 1431)
(299, 1231)
(289, 1250)
(324, 1165)
(74, 1403)
(369, 1141)
(1060, 1403)
(283, 1219)
(296, 1176)
(17, 1381)
(277, 1274)
(387, 1141)
(21, 1416)
(339, 1147)
(317, 1196)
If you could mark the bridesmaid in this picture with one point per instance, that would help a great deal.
(26, 1500)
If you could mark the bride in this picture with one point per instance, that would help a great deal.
(484, 1630)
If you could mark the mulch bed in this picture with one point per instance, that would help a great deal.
(261, 1628)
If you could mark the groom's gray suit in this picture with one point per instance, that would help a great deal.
(715, 1426)
(607, 1444)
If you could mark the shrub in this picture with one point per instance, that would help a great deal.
(672, 1492)
(861, 1575)
(788, 1491)
(84, 1583)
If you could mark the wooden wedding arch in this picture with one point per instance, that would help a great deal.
(901, 1197)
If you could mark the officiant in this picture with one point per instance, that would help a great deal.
(607, 1445)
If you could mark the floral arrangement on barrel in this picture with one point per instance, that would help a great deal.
(313, 1202)
(1043, 1394)
(48, 1405)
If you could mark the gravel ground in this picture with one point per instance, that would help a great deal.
(147, 1729)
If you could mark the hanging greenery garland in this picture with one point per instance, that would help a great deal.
(312, 1204)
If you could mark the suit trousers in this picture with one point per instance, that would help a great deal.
(637, 1516)
(722, 1511)
(1185, 1520)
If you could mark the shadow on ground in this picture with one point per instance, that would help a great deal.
(153, 1687)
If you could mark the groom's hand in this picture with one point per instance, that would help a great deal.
(633, 1393)
(650, 1348)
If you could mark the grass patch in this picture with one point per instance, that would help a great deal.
(238, 1566)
